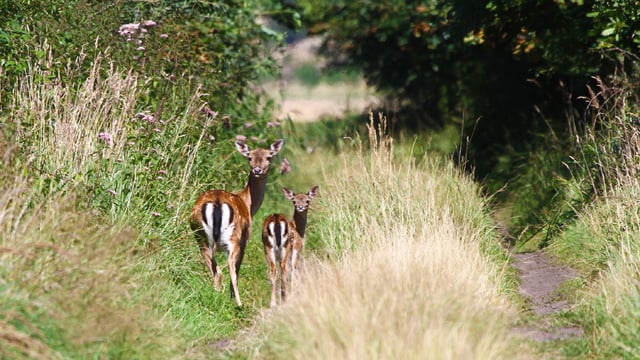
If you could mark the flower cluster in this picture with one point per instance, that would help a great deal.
(152, 123)
(285, 167)
(136, 32)
(106, 137)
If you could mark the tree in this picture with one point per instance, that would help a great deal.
(508, 71)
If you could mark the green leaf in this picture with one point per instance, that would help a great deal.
(608, 32)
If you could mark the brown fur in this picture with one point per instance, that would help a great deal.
(295, 240)
(243, 206)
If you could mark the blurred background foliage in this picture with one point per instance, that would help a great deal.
(512, 74)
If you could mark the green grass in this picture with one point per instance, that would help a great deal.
(399, 268)
(98, 260)
(95, 231)
(578, 201)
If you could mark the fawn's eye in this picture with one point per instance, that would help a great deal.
(249, 158)
(268, 158)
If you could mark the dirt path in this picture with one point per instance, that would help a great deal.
(540, 279)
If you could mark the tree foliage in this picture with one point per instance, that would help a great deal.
(510, 71)
(172, 45)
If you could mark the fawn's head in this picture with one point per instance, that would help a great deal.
(259, 159)
(301, 201)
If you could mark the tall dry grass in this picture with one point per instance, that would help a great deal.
(70, 281)
(604, 240)
(404, 275)
(61, 123)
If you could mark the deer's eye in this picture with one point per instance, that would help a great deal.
(268, 158)
(249, 158)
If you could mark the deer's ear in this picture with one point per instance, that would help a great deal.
(314, 191)
(242, 148)
(276, 146)
(288, 194)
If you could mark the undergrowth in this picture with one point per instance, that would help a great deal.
(400, 270)
(578, 202)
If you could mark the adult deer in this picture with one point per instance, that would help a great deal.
(283, 240)
(221, 220)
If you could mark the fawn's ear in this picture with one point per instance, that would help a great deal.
(314, 191)
(243, 148)
(288, 194)
(276, 146)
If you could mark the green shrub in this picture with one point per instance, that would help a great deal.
(308, 74)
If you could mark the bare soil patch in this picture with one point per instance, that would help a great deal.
(540, 278)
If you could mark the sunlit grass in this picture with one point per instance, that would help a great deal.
(602, 242)
(401, 273)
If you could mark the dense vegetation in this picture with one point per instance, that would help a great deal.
(509, 73)
(116, 114)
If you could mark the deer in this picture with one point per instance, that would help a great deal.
(284, 239)
(221, 220)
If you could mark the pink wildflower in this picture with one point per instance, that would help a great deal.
(241, 138)
(271, 124)
(106, 137)
(248, 125)
(285, 167)
(164, 36)
(112, 192)
(207, 110)
(145, 117)
(162, 172)
(128, 30)
(155, 213)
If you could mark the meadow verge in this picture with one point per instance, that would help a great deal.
(400, 273)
